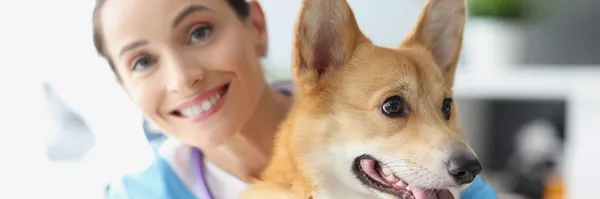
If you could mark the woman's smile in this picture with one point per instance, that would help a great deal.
(202, 105)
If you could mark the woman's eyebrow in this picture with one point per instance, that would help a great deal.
(189, 10)
(131, 46)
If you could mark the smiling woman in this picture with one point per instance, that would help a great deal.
(184, 66)
(193, 68)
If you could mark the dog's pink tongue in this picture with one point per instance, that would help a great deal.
(419, 193)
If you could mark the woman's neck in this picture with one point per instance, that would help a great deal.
(247, 154)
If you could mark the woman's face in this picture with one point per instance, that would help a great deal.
(192, 66)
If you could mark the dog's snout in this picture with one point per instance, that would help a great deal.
(463, 168)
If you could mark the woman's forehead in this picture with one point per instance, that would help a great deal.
(156, 8)
(125, 20)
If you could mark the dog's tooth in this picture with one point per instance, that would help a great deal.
(386, 171)
(391, 178)
(407, 187)
(401, 184)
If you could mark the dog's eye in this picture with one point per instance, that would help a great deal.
(394, 107)
(447, 108)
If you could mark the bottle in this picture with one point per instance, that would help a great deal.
(554, 186)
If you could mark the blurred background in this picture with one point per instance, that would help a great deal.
(528, 87)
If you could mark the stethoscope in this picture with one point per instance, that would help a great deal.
(200, 171)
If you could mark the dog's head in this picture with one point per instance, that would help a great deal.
(376, 119)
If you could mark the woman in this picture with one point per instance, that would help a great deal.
(193, 68)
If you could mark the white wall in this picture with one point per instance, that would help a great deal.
(51, 41)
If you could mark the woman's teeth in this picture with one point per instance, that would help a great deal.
(201, 107)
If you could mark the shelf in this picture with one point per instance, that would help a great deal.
(531, 82)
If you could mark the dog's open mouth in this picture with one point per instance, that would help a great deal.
(375, 175)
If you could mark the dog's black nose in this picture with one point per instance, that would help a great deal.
(464, 168)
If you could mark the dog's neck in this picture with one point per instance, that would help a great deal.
(246, 154)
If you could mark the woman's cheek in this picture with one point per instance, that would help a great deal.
(146, 99)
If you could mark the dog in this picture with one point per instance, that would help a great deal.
(369, 121)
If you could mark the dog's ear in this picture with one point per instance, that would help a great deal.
(439, 30)
(325, 34)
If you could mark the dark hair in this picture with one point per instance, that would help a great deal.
(241, 8)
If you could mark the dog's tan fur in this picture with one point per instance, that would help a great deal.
(342, 78)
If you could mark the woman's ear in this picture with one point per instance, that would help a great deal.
(259, 24)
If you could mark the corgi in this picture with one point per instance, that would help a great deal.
(368, 121)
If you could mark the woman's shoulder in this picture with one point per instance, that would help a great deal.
(159, 180)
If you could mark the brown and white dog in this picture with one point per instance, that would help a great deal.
(368, 121)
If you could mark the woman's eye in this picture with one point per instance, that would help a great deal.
(394, 106)
(447, 108)
(200, 33)
(142, 64)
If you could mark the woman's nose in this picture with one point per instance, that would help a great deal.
(184, 74)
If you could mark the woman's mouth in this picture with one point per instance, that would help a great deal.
(375, 175)
(202, 105)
